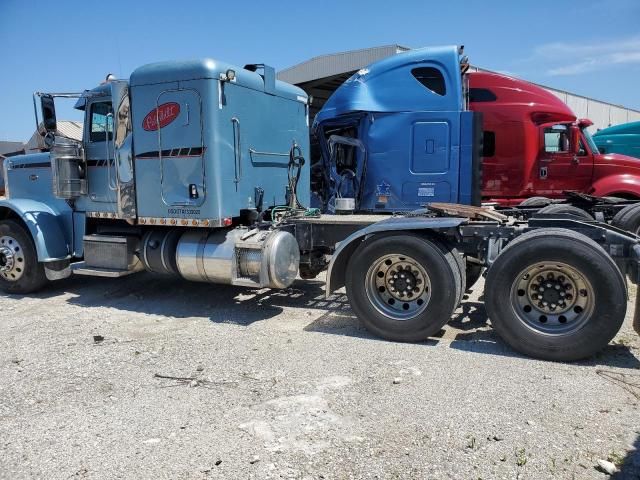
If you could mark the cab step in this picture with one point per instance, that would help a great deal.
(81, 268)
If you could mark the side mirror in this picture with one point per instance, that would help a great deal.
(48, 113)
(575, 139)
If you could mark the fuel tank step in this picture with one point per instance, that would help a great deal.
(111, 252)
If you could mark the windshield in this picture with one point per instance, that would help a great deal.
(592, 144)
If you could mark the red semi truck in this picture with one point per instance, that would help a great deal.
(534, 146)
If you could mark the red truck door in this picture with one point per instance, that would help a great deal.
(559, 167)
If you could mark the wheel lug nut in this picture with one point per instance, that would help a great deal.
(545, 303)
(392, 281)
(541, 289)
(548, 285)
(557, 287)
(402, 275)
(562, 294)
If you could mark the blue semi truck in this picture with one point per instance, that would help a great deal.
(623, 139)
(198, 169)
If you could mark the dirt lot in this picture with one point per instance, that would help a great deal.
(287, 385)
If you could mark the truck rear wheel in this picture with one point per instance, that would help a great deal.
(20, 271)
(555, 294)
(403, 287)
(628, 218)
(535, 202)
(562, 208)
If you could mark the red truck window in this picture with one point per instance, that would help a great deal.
(556, 139)
(481, 95)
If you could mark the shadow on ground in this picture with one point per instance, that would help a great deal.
(468, 329)
(630, 467)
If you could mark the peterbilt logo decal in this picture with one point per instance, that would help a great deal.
(164, 114)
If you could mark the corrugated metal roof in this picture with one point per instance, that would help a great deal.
(10, 147)
(337, 63)
(66, 128)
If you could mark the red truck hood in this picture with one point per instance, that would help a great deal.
(616, 159)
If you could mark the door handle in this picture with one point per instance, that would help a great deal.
(575, 160)
(546, 160)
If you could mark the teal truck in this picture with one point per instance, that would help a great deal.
(624, 139)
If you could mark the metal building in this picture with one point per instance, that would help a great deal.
(321, 75)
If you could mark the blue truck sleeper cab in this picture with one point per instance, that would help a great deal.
(396, 135)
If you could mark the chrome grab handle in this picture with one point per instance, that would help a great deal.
(113, 185)
(268, 154)
(237, 152)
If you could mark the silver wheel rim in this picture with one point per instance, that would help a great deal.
(11, 259)
(398, 286)
(552, 298)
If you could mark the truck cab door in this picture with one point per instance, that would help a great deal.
(123, 151)
(559, 168)
(98, 136)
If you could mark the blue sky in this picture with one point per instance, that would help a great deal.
(590, 47)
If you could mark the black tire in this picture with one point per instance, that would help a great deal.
(535, 202)
(445, 286)
(563, 208)
(605, 300)
(628, 218)
(473, 273)
(27, 274)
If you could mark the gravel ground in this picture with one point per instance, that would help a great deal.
(287, 385)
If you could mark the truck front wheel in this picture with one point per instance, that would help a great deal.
(555, 294)
(20, 271)
(403, 287)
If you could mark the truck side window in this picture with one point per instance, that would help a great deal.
(431, 78)
(583, 151)
(481, 95)
(99, 125)
(556, 139)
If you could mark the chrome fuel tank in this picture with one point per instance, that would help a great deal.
(239, 257)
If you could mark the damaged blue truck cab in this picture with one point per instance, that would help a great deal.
(397, 135)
